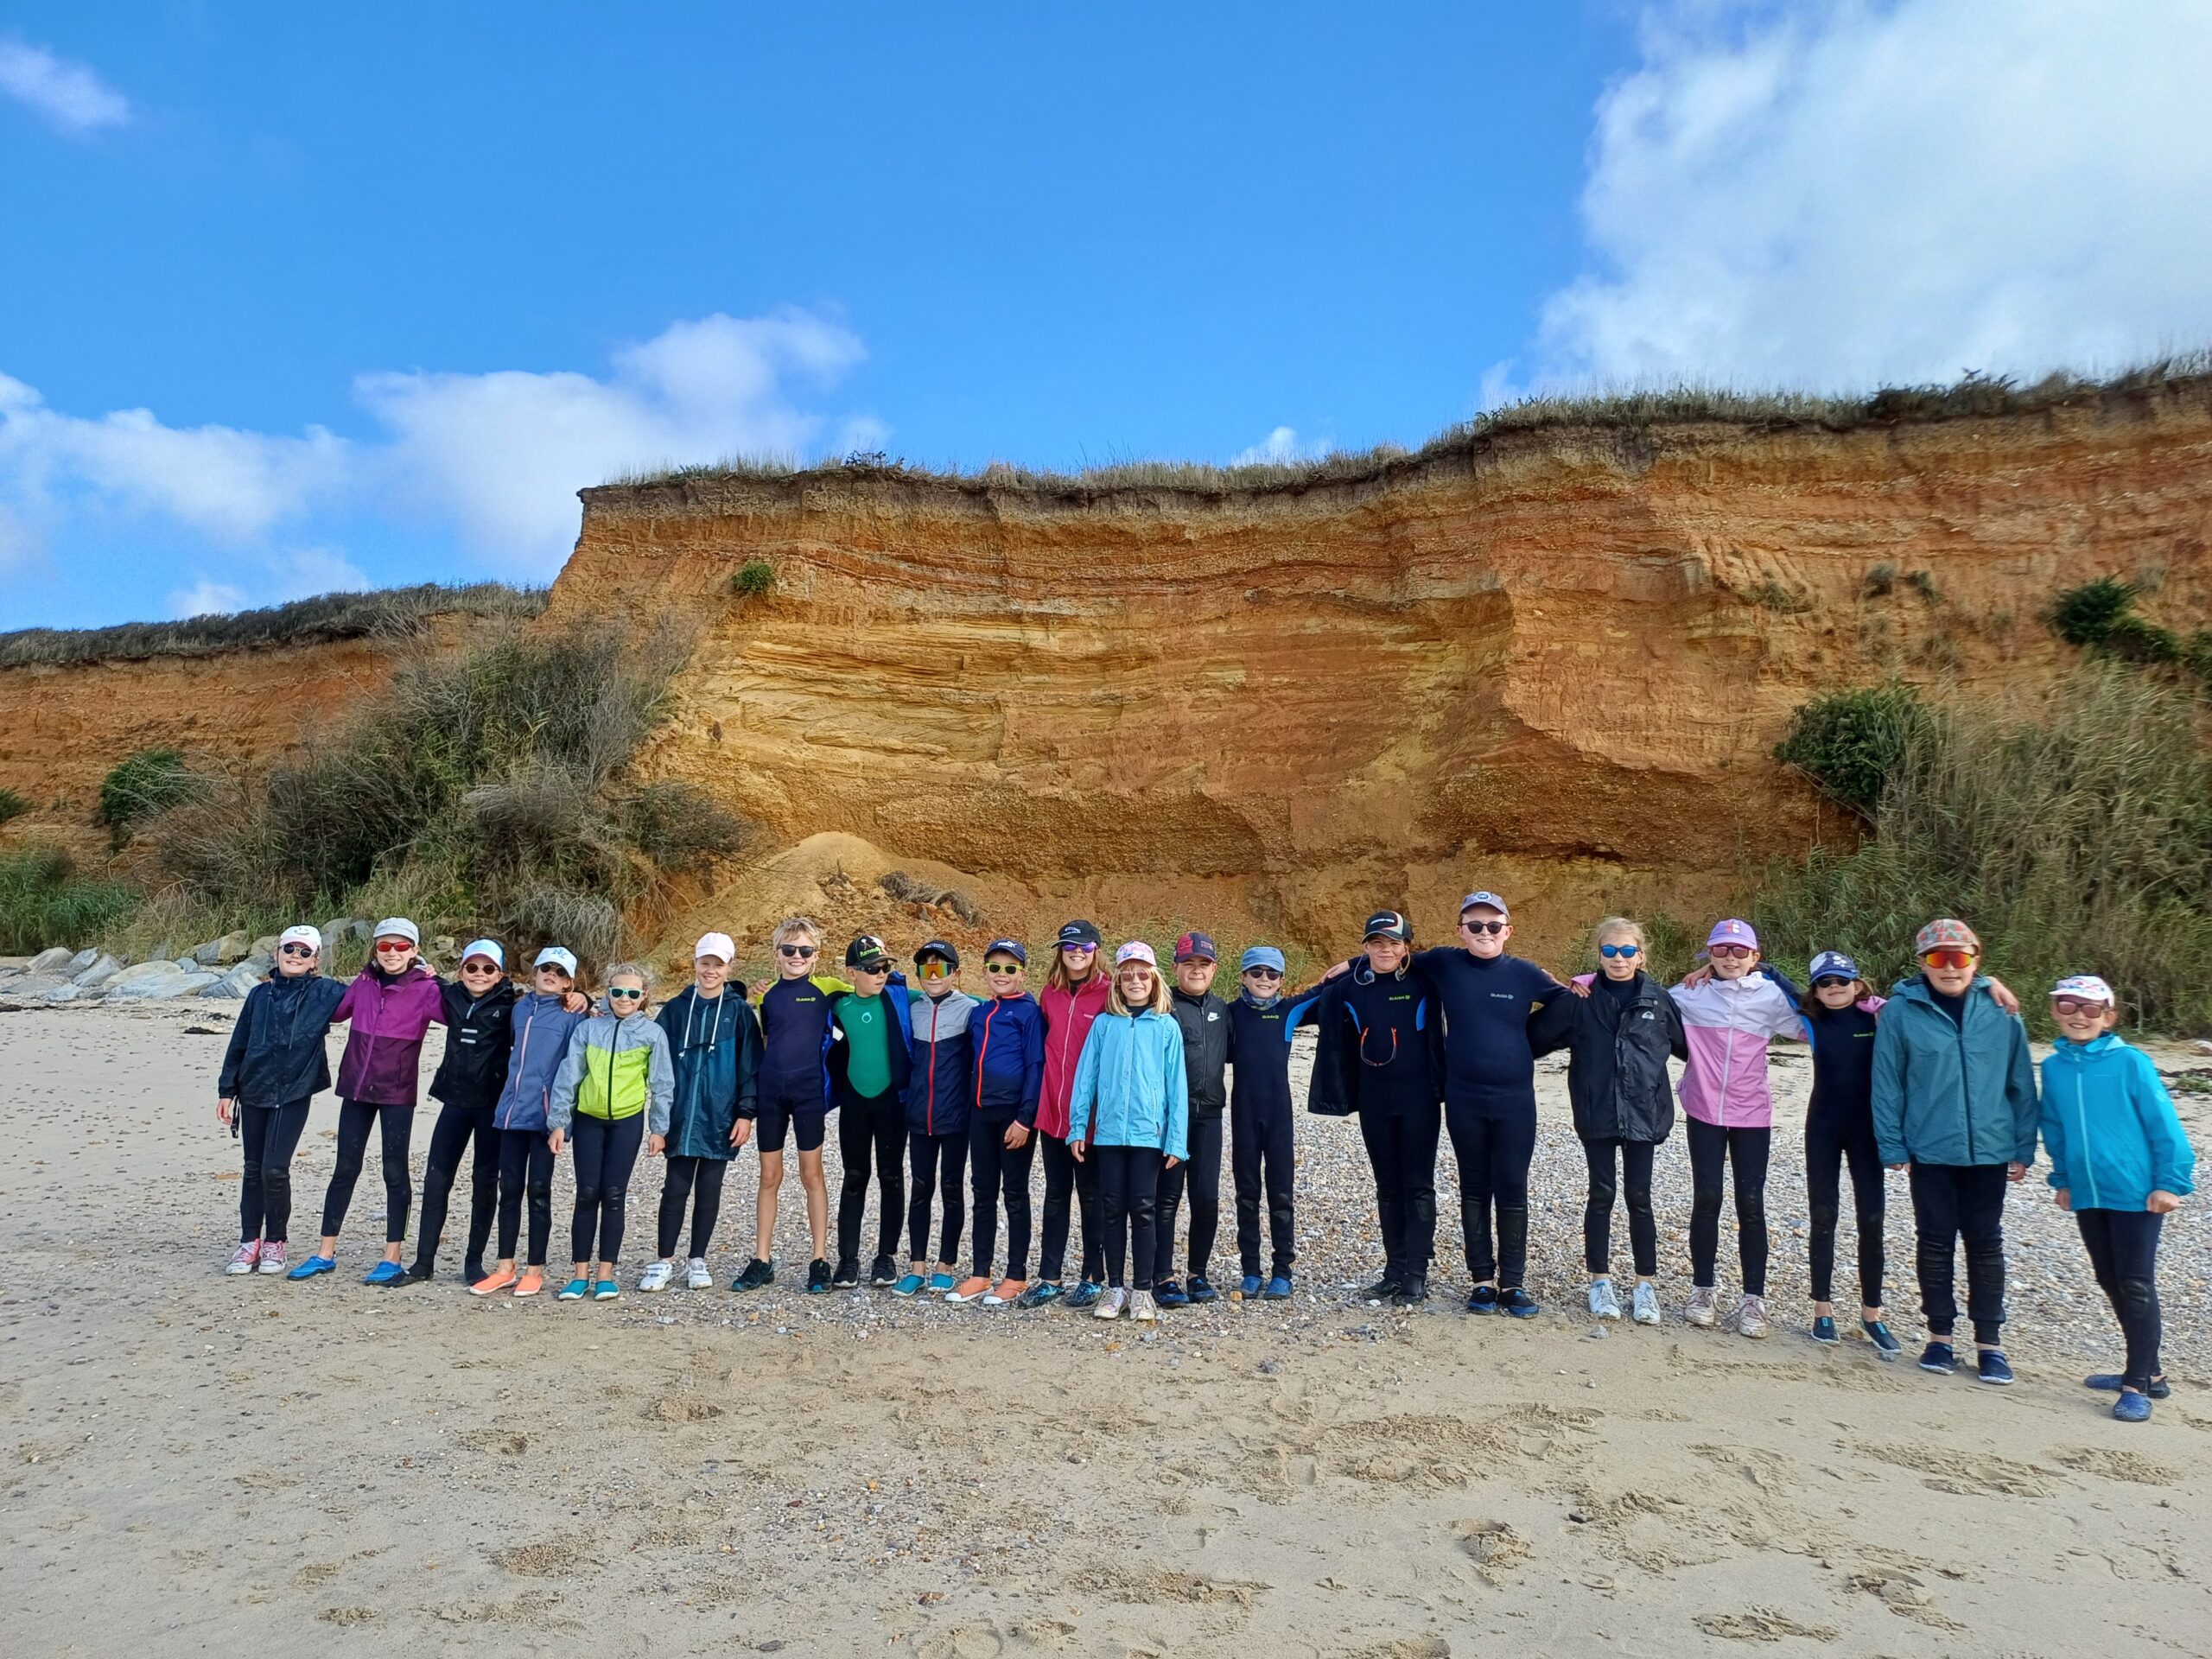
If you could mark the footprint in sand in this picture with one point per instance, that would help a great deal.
(1761, 1624)
(1968, 1474)
(2115, 1466)
(1906, 1597)
(1493, 1547)
(549, 1557)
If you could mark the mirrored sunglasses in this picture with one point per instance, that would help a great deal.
(1947, 958)
(1617, 949)
(2070, 1005)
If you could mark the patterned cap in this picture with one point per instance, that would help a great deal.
(1387, 924)
(1945, 934)
(1196, 944)
(1731, 931)
(301, 934)
(1834, 964)
(554, 956)
(1136, 950)
(2087, 987)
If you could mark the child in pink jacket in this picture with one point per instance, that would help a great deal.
(1729, 1019)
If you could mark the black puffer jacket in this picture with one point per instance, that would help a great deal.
(1617, 1058)
(479, 1035)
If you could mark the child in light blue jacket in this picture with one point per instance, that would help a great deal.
(1129, 1109)
(2120, 1162)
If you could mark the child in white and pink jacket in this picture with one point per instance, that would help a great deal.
(1730, 1018)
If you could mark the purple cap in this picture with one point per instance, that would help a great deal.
(1731, 931)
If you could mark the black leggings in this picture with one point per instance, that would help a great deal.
(937, 1161)
(269, 1135)
(696, 1182)
(1711, 1149)
(2123, 1246)
(998, 1169)
(1401, 1150)
(396, 1124)
(1635, 1184)
(871, 1132)
(525, 1168)
(1064, 1181)
(1827, 1145)
(457, 1126)
(1202, 1174)
(1128, 1188)
(1952, 1202)
(1259, 1145)
(1493, 1154)
(606, 1153)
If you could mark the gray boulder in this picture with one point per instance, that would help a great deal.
(339, 929)
(264, 946)
(221, 953)
(175, 983)
(55, 961)
(96, 973)
(138, 971)
(28, 987)
(233, 986)
(84, 959)
(67, 991)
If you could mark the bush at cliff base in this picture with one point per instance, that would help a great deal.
(2074, 835)
(43, 902)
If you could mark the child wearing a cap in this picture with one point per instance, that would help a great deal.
(1261, 1021)
(1730, 1016)
(480, 1037)
(2120, 1161)
(794, 1098)
(1076, 993)
(1618, 1039)
(1129, 1110)
(1008, 1036)
(940, 1088)
(1954, 1097)
(868, 1064)
(1203, 1019)
(543, 1018)
(615, 1088)
(274, 1066)
(1381, 1056)
(1840, 1015)
(714, 1051)
(392, 1002)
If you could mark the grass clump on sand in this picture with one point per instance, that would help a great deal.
(2075, 837)
(44, 902)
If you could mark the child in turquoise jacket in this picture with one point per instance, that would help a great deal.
(2120, 1161)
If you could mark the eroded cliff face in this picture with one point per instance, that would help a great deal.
(1554, 662)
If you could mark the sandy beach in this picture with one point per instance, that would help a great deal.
(204, 1465)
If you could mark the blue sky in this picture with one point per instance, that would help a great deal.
(300, 297)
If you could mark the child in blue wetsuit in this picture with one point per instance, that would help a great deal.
(1840, 1015)
(794, 1098)
(1261, 1021)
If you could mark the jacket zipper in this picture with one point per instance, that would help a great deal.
(1966, 1095)
(2081, 1120)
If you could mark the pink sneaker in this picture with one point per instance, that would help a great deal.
(272, 1257)
(249, 1255)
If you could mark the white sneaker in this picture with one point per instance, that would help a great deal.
(1604, 1304)
(247, 1259)
(1700, 1311)
(699, 1278)
(1647, 1304)
(1142, 1309)
(1750, 1318)
(656, 1276)
(1110, 1304)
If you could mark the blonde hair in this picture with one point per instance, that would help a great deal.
(636, 970)
(1159, 1002)
(794, 927)
(1619, 927)
(1058, 975)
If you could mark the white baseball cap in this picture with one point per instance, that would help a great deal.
(2086, 986)
(310, 936)
(554, 956)
(715, 945)
(489, 947)
(398, 927)
(1135, 950)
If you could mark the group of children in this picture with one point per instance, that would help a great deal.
(1125, 1078)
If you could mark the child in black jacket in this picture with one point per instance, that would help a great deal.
(480, 1036)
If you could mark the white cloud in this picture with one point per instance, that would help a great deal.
(504, 454)
(71, 96)
(1279, 447)
(1834, 195)
(269, 580)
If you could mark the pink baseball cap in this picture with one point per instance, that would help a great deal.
(1136, 950)
(1731, 931)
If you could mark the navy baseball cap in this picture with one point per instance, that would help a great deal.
(938, 948)
(1196, 944)
(1080, 933)
(1834, 964)
(1485, 896)
(1010, 947)
(1389, 924)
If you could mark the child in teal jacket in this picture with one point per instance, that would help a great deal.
(2120, 1162)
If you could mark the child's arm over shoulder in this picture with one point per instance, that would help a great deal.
(831, 983)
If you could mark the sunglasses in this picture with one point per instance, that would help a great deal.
(1080, 950)
(624, 994)
(298, 950)
(935, 968)
(879, 966)
(1947, 958)
(1733, 952)
(799, 953)
(1617, 949)
(2070, 1005)
(478, 965)
(1261, 973)
(1822, 983)
(1004, 969)
(1481, 927)
(393, 948)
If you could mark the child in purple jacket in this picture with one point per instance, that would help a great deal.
(393, 1003)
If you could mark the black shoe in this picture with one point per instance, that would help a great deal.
(757, 1273)
(1200, 1289)
(424, 1270)
(1383, 1289)
(847, 1274)
(883, 1272)
(1168, 1294)
(472, 1272)
(1517, 1302)
(817, 1277)
(1483, 1298)
(1413, 1294)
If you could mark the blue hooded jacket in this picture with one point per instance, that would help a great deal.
(542, 1027)
(714, 1047)
(1952, 1093)
(1009, 1037)
(1131, 1090)
(2110, 1127)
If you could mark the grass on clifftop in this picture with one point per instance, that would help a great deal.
(1972, 397)
(388, 612)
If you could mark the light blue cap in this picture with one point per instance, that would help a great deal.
(554, 956)
(1260, 956)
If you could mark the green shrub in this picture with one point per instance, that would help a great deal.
(43, 902)
(1850, 743)
(2085, 615)
(754, 578)
(2074, 840)
(147, 783)
(12, 805)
